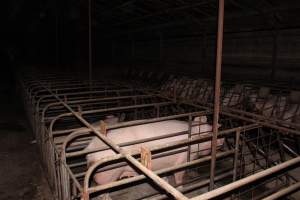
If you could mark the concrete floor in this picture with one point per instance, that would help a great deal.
(21, 174)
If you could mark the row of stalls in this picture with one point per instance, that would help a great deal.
(257, 154)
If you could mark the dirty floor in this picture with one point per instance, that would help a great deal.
(21, 173)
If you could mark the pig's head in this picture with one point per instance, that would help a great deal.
(201, 119)
(111, 119)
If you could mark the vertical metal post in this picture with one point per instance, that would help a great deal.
(236, 157)
(57, 35)
(236, 153)
(160, 48)
(90, 42)
(112, 52)
(190, 136)
(217, 93)
(204, 45)
(274, 56)
(132, 52)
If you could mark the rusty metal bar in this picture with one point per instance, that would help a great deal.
(194, 186)
(159, 181)
(236, 153)
(284, 192)
(217, 93)
(82, 132)
(130, 123)
(90, 42)
(242, 182)
(141, 177)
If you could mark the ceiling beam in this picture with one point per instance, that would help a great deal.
(166, 11)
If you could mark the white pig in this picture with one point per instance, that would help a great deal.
(132, 133)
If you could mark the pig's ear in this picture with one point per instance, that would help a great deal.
(196, 119)
(201, 119)
(122, 117)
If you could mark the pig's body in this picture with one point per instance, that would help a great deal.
(234, 96)
(145, 131)
(291, 114)
(272, 106)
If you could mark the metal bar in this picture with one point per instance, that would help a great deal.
(160, 12)
(109, 109)
(44, 110)
(156, 179)
(131, 123)
(284, 192)
(202, 139)
(217, 93)
(141, 177)
(90, 42)
(242, 182)
(236, 154)
(200, 184)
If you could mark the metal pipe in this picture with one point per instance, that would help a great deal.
(192, 187)
(236, 153)
(137, 122)
(156, 179)
(242, 182)
(189, 141)
(284, 192)
(141, 177)
(90, 42)
(217, 93)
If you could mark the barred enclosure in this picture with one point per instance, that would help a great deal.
(257, 149)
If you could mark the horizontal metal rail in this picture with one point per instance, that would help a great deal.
(250, 179)
(284, 192)
(138, 122)
(160, 182)
(100, 188)
(44, 110)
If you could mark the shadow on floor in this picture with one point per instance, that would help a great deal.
(21, 174)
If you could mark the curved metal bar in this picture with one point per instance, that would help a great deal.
(168, 146)
(86, 92)
(160, 182)
(87, 87)
(105, 110)
(144, 121)
(284, 192)
(242, 182)
(89, 100)
(131, 180)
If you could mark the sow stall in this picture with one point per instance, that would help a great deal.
(62, 110)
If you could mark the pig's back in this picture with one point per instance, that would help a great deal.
(144, 131)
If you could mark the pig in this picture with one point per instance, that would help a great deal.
(109, 119)
(234, 96)
(292, 114)
(128, 134)
(272, 106)
(205, 93)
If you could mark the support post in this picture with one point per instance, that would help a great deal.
(236, 154)
(132, 52)
(217, 93)
(146, 157)
(90, 43)
(274, 56)
(103, 128)
(161, 48)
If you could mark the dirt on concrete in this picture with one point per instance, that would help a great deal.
(21, 174)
